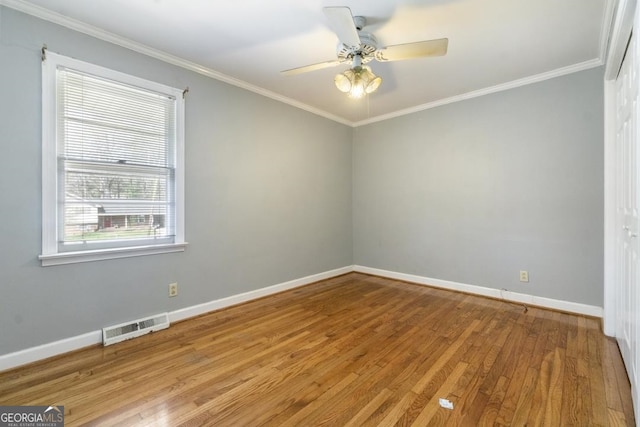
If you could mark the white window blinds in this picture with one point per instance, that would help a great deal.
(115, 157)
(113, 164)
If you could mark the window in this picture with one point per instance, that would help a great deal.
(112, 164)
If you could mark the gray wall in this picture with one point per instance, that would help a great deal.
(475, 191)
(268, 197)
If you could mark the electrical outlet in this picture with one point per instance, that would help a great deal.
(173, 289)
(524, 276)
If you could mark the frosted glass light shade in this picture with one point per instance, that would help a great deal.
(357, 81)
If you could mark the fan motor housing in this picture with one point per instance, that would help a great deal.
(368, 45)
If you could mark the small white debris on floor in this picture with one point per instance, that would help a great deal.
(446, 403)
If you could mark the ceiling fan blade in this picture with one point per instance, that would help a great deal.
(341, 22)
(399, 52)
(312, 67)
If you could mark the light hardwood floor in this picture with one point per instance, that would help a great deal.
(353, 350)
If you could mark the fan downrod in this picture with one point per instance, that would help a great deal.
(360, 22)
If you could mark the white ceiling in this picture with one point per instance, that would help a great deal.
(493, 44)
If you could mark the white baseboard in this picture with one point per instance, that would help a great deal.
(206, 307)
(571, 307)
(33, 354)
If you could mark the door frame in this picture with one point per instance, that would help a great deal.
(621, 31)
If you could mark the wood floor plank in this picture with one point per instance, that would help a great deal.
(449, 352)
(547, 401)
(491, 408)
(515, 369)
(372, 405)
(596, 341)
(571, 408)
(472, 398)
(433, 406)
(351, 350)
(301, 416)
(616, 381)
(525, 400)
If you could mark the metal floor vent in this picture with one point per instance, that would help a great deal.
(128, 330)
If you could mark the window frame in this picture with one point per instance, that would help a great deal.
(51, 255)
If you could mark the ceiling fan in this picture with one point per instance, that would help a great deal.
(359, 47)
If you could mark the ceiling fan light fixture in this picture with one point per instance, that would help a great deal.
(344, 81)
(374, 84)
(357, 81)
(359, 46)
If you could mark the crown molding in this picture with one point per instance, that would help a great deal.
(486, 91)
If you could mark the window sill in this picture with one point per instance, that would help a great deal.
(103, 254)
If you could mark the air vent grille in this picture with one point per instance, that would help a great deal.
(122, 330)
(128, 330)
